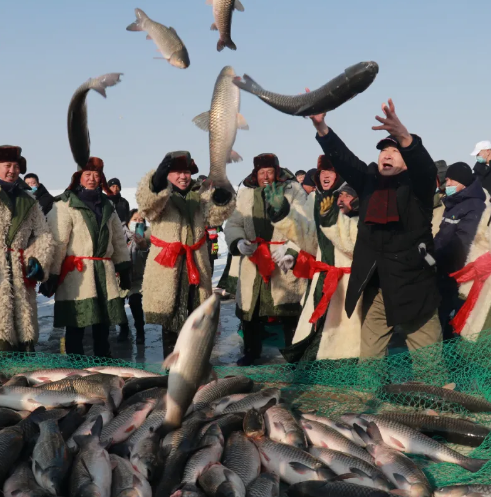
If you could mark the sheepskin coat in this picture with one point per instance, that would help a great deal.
(282, 295)
(161, 287)
(28, 231)
(92, 295)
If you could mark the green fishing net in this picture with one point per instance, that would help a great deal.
(332, 388)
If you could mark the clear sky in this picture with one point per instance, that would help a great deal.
(433, 57)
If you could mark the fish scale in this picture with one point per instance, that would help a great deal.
(333, 489)
(127, 481)
(223, 12)
(282, 427)
(241, 456)
(23, 484)
(265, 485)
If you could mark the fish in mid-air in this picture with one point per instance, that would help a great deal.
(222, 12)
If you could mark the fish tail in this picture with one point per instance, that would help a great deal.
(473, 465)
(217, 182)
(102, 82)
(226, 43)
(248, 84)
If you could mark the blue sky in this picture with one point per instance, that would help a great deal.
(433, 57)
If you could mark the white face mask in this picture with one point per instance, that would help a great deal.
(132, 226)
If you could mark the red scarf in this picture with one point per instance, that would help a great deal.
(382, 206)
(262, 258)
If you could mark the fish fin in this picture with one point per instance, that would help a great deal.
(87, 469)
(473, 465)
(431, 412)
(173, 30)
(148, 37)
(299, 468)
(450, 386)
(97, 427)
(213, 374)
(102, 82)
(248, 85)
(227, 43)
(170, 360)
(136, 481)
(346, 476)
(398, 443)
(242, 123)
(302, 109)
(373, 432)
(400, 480)
(265, 455)
(203, 121)
(213, 27)
(238, 6)
(130, 429)
(359, 473)
(113, 464)
(267, 406)
(16, 492)
(134, 26)
(234, 157)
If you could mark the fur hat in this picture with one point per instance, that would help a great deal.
(324, 164)
(93, 164)
(11, 153)
(181, 161)
(263, 161)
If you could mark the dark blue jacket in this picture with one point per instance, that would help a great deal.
(461, 218)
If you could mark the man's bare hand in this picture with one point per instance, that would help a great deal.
(392, 124)
(319, 121)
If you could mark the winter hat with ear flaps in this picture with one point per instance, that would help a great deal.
(93, 164)
(12, 153)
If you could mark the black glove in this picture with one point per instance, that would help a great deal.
(159, 179)
(125, 279)
(48, 288)
(221, 196)
(34, 270)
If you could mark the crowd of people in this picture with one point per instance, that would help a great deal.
(342, 256)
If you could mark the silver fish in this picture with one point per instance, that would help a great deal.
(86, 427)
(282, 427)
(126, 481)
(48, 375)
(167, 40)
(254, 400)
(188, 490)
(23, 484)
(218, 406)
(265, 485)
(354, 80)
(242, 457)
(11, 444)
(9, 417)
(222, 12)
(219, 480)
(463, 491)
(152, 393)
(78, 131)
(343, 428)
(228, 423)
(123, 371)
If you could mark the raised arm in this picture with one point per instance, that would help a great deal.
(218, 204)
(151, 197)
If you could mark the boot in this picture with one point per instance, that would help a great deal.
(140, 335)
(169, 340)
(124, 332)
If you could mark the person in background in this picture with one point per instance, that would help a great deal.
(300, 175)
(438, 206)
(121, 204)
(138, 247)
(27, 247)
(42, 195)
(90, 249)
(464, 206)
(309, 182)
(347, 201)
(482, 170)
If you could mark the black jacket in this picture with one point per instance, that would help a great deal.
(122, 206)
(44, 198)
(391, 252)
(463, 211)
(483, 173)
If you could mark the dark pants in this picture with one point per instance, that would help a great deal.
(449, 291)
(136, 307)
(74, 339)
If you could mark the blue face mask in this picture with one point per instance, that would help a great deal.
(450, 190)
(481, 160)
(34, 188)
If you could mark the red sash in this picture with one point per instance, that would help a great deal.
(28, 283)
(73, 262)
(262, 258)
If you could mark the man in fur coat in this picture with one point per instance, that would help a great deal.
(90, 250)
(263, 290)
(27, 248)
(177, 276)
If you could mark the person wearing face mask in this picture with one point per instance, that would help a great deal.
(482, 170)
(464, 206)
(90, 249)
(42, 195)
(392, 264)
(177, 276)
(264, 290)
(438, 207)
(25, 256)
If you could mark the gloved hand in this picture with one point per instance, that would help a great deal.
(48, 288)
(245, 247)
(286, 263)
(279, 253)
(34, 270)
(275, 195)
(125, 280)
(221, 196)
(325, 205)
(159, 179)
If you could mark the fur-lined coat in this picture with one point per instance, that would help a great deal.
(90, 296)
(29, 232)
(161, 288)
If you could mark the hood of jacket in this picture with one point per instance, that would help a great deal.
(473, 192)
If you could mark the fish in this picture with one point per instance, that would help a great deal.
(398, 468)
(167, 40)
(217, 389)
(333, 489)
(48, 375)
(11, 445)
(282, 427)
(343, 428)
(222, 123)
(23, 484)
(126, 481)
(188, 490)
(219, 480)
(72, 421)
(222, 12)
(291, 464)
(189, 363)
(475, 490)
(17, 381)
(228, 423)
(218, 406)
(86, 427)
(406, 439)
(353, 81)
(158, 394)
(321, 435)
(454, 430)
(78, 132)
(9, 417)
(137, 385)
(212, 445)
(254, 425)
(51, 458)
(123, 372)
(420, 395)
(92, 469)
(342, 463)
(242, 457)
(256, 400)
(265, 485)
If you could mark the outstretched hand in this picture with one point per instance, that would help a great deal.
(318, 121)
(275, 195)
(392, 124)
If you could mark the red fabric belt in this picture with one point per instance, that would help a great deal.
(306, 266)
(171, 251)
(262, 258)
(73, 262)
(478, 271)
(28, 283)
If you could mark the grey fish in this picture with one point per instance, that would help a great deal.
(136, 385)
(9, 417)
(321, 435)
(86, 427)
(51, 458)
(222, 12)
(152, 393)
(406, 439)
(242, 457)
(265, 485)
(343, 428)
(11, 444)
(166, 38)
(463, 491)
(228, 423)
(282, 427)
(73, 420)
(78, 131)
(17, 381)
(220, 481)
(333, 489)
(41, 376)
(126, 481)
(123, 372)
(23, 484)
(188, 490)
(212, 443)
(354, 80)
(189, 363)
(218, 406)
(291, 464)
(254, 400)
(342, 463)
